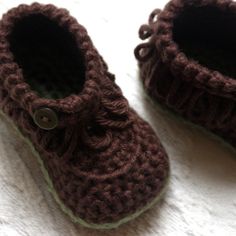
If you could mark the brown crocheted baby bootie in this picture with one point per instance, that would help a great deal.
(189, 62)
(103, 163)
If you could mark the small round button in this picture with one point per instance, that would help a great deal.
(45, 118)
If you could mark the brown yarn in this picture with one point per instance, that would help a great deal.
(104, 161)
(188, 62)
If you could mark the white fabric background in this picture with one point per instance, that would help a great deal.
(201, 197)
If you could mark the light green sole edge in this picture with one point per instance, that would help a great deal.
(177, 117)
(67, 210)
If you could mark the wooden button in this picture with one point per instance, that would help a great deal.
(45, 118)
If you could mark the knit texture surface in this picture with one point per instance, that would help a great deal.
(68, 211)
(200, 198)
(103, 160)
(188, 62)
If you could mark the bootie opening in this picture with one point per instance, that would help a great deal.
(49, 57)
(207, 35)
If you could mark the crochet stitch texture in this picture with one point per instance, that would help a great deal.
(188, 62)
(104, 162)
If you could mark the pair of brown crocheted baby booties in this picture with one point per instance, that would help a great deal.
(104, 165)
